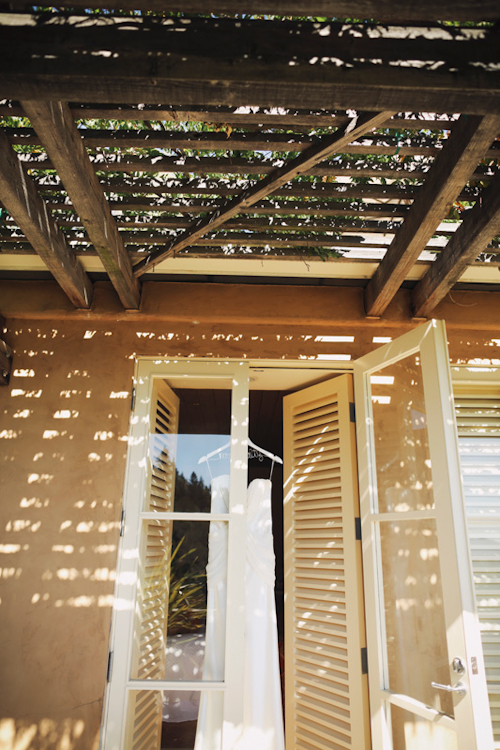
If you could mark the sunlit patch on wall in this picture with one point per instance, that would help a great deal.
(22, 414)
(335, 339)
(8, 434)
(119, 394)
(66, 414)
(27, 394)
(24, 373)
(485, 362)
(76, 601)
(35, 502)
(382, 379)
(22, 524)
(382, 339)
(40, 478)
(104, 549)
(10, 573)
(89, 334)
(381, 399)
(103, 435)
(334, 357)
(67, 549)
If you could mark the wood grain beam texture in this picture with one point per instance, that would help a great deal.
(479, 226)
(382, 10)
(20, 197)
(221, 61)
(452, 169)
(302, 164)
(244, 117)
(56, 127)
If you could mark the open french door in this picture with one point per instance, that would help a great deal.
(426, 671)
(426, 677)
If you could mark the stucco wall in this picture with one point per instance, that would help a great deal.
(63, 432)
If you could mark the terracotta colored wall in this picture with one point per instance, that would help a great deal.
(63, 430)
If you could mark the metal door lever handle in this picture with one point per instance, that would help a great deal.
(459, 688)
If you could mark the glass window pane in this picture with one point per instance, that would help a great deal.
(180, 475)
(401, 440)
(414, 614)
(180, 719)
(411, 732)
(180, 614)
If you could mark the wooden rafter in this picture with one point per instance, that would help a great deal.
(230, 62)
(388, 10)
(379, 145)
(20, 197)
(55, 126)
(451, 170)
(480, 225)
(245, 117)
(190, 188)
(301, 165)
(236, 166)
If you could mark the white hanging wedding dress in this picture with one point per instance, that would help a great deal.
(262, 708)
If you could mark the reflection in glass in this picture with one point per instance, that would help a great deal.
(411, 732)
(401, 440)
(414, 613)
(179, 478)
(167, 720)
(173, 611)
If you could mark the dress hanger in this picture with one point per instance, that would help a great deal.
(251, 444)
(275, 459)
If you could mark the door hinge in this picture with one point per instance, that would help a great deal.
(132, 400)
(122, 522)
(364, 660)
(357, 525)
(110, 666)
(352, 412)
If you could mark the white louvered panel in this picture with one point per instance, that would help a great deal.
(145, 707)
(478, 422)
(326, 701)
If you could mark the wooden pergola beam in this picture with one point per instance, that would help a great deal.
(57, 129)
(382, 10)
(300, 165)
(20, 197)
(452, 169)
(480, 225)
(229, 62)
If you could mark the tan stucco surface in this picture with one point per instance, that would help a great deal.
(63, 437)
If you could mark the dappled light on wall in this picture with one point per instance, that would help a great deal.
(61, 472)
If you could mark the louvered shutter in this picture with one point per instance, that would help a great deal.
(325, 691)
(478, 420)
(150, 630)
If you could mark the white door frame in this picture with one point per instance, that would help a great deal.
(146, 371)
(463, 635)
(239, 370)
